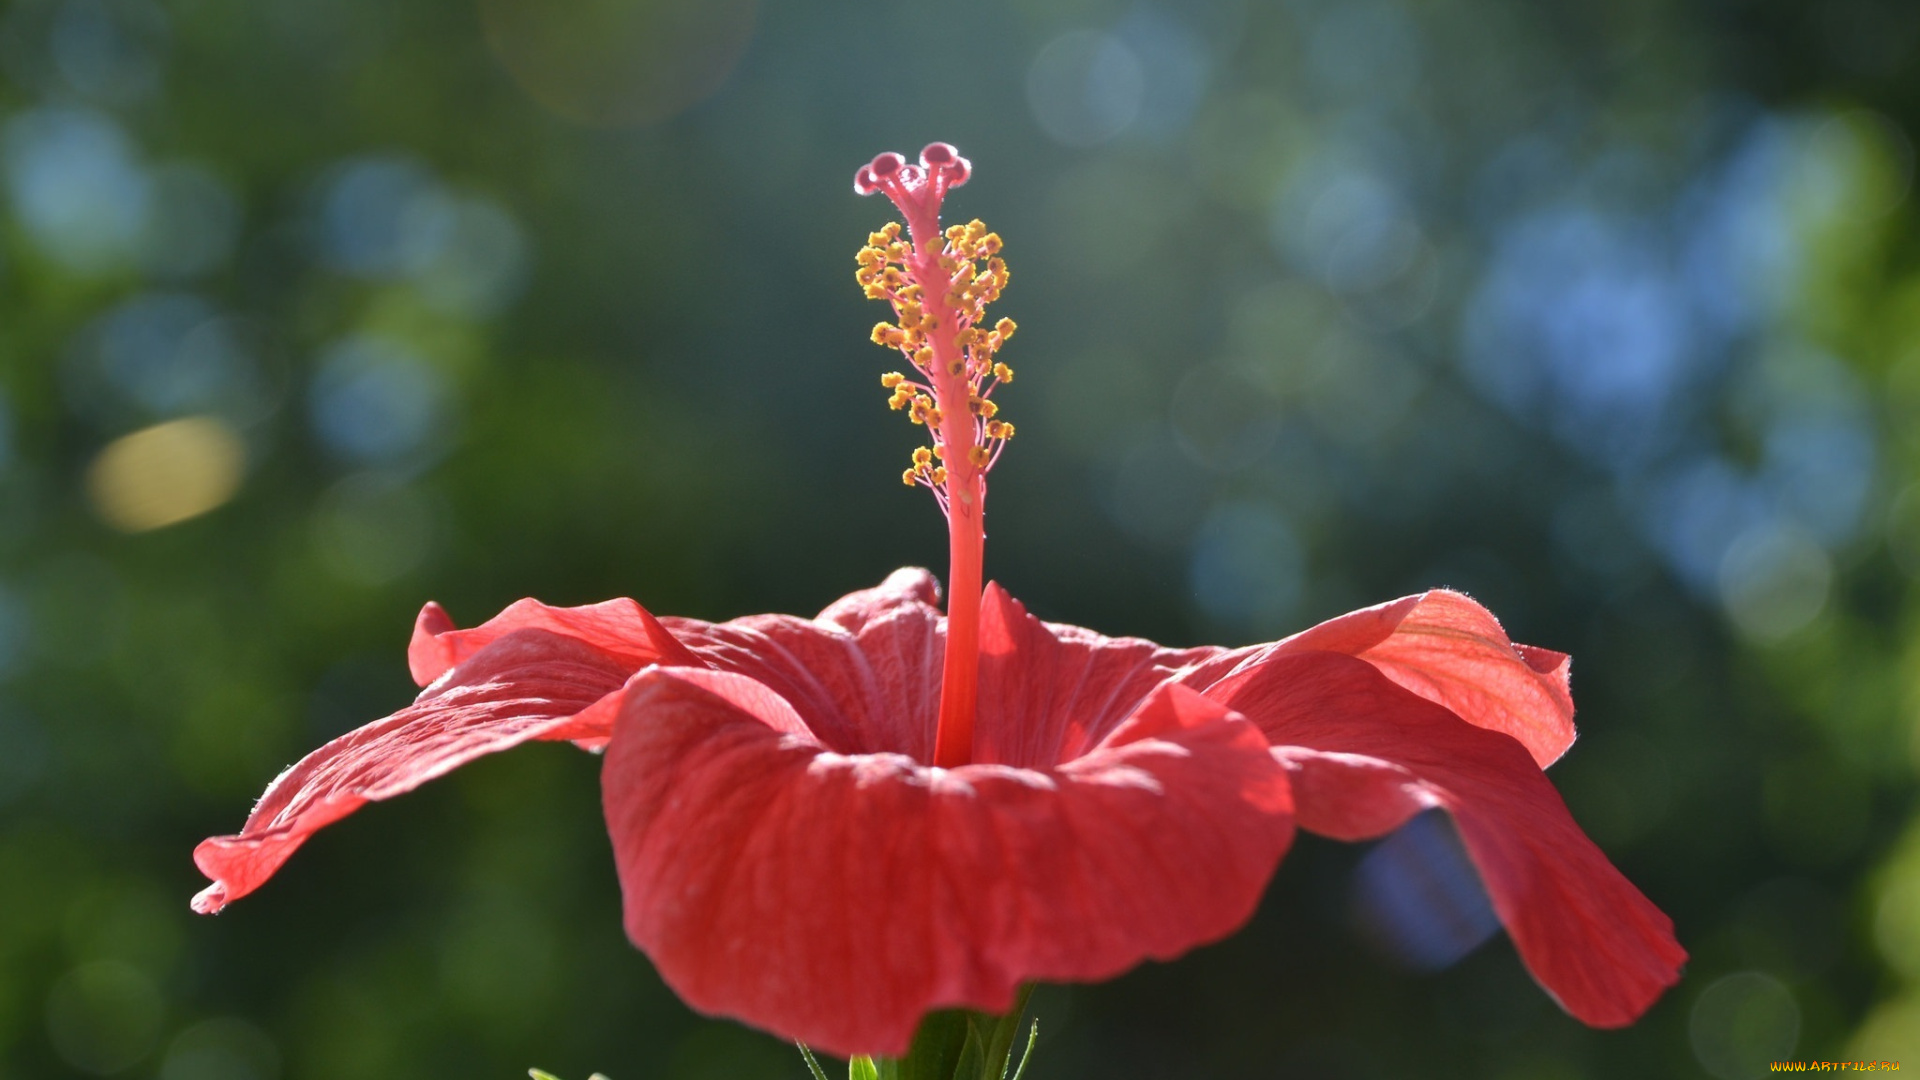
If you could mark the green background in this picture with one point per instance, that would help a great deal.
(1607, 314)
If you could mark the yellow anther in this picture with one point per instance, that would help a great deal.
(936, 315)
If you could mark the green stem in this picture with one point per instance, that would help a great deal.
(1033, 1036)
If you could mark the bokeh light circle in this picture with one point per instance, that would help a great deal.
(166, 474)
(224, 1048)
(618, 63)
(1774, 580)
(104, 1017)
(1085, 87)
(1742, 1022)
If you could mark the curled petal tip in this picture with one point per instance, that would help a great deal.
(433, 620)
(210, 900)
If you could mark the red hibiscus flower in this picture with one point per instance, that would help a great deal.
(829, 827)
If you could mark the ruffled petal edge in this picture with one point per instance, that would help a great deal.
(529, 684)
(1447, 648)
(620, 628)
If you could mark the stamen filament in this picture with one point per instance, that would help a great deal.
(965, 508)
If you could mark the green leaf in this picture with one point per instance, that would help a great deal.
(973, 1052)
(541, 1074)
(862, 1068)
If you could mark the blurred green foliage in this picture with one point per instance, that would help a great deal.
(1605, 313)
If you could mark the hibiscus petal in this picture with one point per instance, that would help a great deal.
(835, 899)
(528, 684)
(859, 673)
(1365, 755)
(619, 628)
(859, 693)
(1450, 650)
(908, 586)
(1049, 691)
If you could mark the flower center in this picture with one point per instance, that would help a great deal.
(939, 284)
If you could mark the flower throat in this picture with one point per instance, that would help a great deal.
(939, 284)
